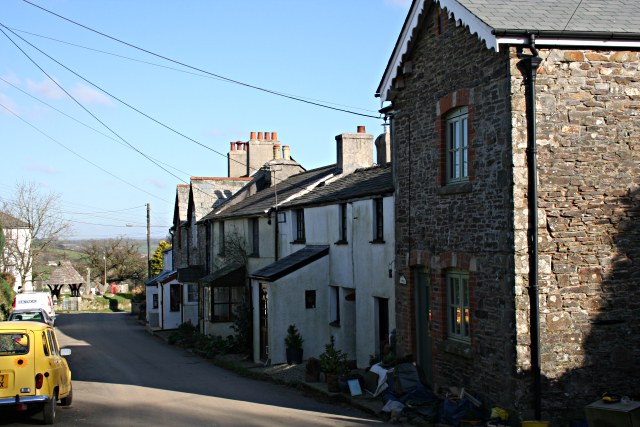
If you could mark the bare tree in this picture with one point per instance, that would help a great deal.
(42, 212)
(120, 259)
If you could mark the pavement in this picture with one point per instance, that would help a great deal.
(293, 376)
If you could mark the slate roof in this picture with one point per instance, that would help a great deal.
(161, 278)
(571, 23)
(261, 202)
(229, 275)
(65, 274)
(367, 182)
(291, 263)
(209, 193)
(612, 16)
(9, 221)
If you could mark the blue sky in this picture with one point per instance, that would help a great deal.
(328, 51)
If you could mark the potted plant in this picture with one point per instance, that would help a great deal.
(333, 363)
(312, 370)
(293, 342)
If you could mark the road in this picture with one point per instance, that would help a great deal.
(123, 376)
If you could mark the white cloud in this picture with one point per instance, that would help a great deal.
(41, 167)
(11, 78)
(88, 95)
(7, 104)
(157, 183)
(47, 88)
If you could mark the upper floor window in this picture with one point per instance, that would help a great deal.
(299, 226)
(343, 223)
(458, 300)
(378, 220)
(255, 236)
(221, 242)
(192, 292)
(457, 145)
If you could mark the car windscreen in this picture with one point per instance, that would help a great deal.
(33, 315)
(13, 343)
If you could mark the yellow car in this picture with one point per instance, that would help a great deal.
(33, 371)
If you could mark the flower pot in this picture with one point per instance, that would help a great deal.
(294, 356)
(333, 382)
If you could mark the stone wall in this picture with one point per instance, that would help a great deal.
(467, 226)
(588, 142)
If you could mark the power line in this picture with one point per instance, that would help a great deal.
(86, 125)
(79, 155)
(176, 69)
(78, 102)
(295, 98)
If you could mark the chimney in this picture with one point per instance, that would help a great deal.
(354, 150)
(286, 152)
(383, 147)
(276, 151)
(237, 160)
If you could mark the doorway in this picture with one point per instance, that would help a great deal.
(423, 322)
(264, 323)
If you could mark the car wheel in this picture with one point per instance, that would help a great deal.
(66, 401)
(49, 409)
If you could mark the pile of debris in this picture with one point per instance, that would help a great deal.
(408, 399)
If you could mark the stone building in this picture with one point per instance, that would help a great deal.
(517, 170)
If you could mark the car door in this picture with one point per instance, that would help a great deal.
(58, 375)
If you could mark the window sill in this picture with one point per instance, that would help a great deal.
(335, 324)
(459, 348)
(341, 242)
(377, 242)
(456, 188)
(299, 242)
(254, 255)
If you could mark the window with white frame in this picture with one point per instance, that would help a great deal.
(174, 298)
(192, 292)
(458, 314)
(457, 145)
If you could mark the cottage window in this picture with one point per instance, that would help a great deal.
(155, 300)
(221, 241)
(299, 226)
(457, 145)
(378, 221)
(458, 299)
(343, 223)
(310, 299)
(334, 305)
(224, 302)
(192, 292)
(255, 236)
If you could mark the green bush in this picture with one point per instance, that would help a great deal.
(6, 298)
(188, 336)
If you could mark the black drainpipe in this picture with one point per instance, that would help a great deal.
(530, 64)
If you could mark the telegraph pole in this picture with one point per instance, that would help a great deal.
(148, 240)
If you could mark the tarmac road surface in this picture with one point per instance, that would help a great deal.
(124, 376)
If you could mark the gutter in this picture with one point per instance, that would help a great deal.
(582, 35)
(529, 65)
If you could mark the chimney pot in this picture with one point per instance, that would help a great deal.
(260, 136)
(253, 136)
(239, 145)
(233, 146)
(274, 136)
(286, 152)
(267, 136)
(276, 151)
(361, 129)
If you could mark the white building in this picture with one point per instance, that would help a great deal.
(16, 256)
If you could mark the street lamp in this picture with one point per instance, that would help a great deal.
(104, 257)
